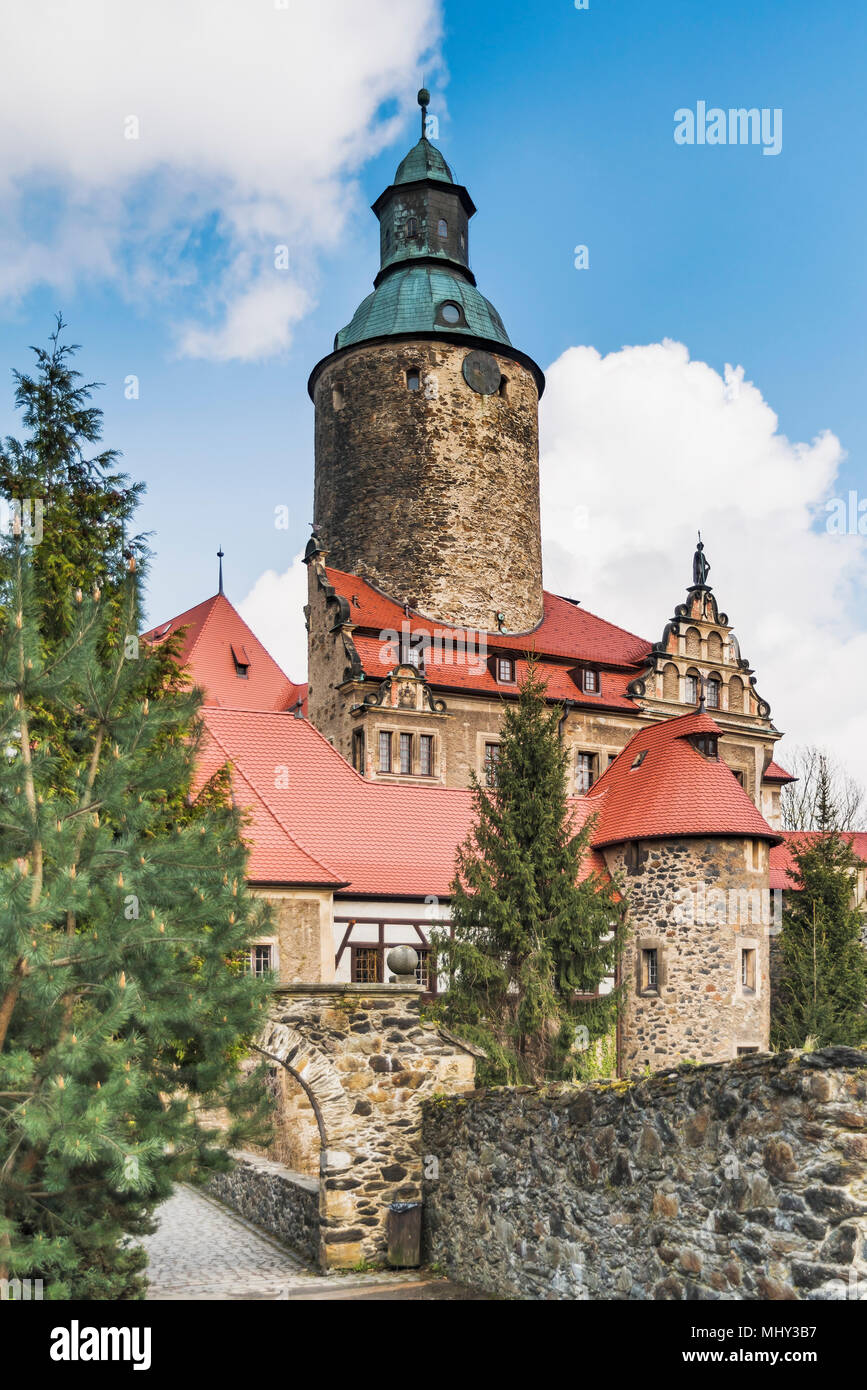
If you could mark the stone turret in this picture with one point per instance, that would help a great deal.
(691, 851)
(427, 451)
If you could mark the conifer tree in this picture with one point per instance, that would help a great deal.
(822, 993)
(124, 916)
(527, 938)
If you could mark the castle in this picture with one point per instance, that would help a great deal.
(425, 599)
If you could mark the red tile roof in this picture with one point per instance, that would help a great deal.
(566, 629)
(782, 858)
(330, 825)
(674, 791)
(216, 635)
(447, 674)
(774, 773)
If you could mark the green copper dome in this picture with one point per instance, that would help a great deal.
(424, 161)
(411, 300)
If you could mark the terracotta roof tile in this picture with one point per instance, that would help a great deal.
(782, 858)
(774, 773)
(379, 839)
(566, 629)
(674, 790)
(216, 636)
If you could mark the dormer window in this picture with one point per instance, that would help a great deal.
(590, 681)
(639, 759)
(505, 670)
(707, 745)
(241, 660)
(442, 228)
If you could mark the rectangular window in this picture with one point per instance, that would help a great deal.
(492, 763)
(413, 381)
(756, 854)
(425, 755)
(260, 959)
(384, 751)
(422, 970)
(612, 758)
(690, 690)
(748, 970)
(745, 1051)
(650, 969)
(505, 669)
(358, 750)
(366, 965)
(590, 682)
(585, 772)
(406, 754)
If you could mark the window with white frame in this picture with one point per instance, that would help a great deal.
(425, 755)
(585, 771)
(385, 750)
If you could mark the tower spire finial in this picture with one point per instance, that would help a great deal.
(220, 553)
(424, 103)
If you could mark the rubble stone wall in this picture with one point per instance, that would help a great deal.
(740, 1180)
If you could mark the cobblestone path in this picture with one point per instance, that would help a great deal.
(202, 1250)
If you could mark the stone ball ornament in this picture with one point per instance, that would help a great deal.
(403, 961)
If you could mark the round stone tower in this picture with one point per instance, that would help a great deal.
(427, 442)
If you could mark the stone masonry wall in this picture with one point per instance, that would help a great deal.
(742, 1180)
(433, 494)
(367, 1062)
(273, 1197)
(698, 903)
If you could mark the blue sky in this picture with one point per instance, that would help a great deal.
(560, 122)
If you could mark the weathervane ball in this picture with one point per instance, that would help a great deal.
(424, 97)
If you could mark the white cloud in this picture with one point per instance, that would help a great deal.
(642, 447)
(274, 610)
(252, 118)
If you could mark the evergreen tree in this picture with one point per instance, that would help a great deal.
(124, 916)
(823, 987)
(528, 939)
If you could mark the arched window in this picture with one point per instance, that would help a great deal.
(411, 227)
(442, 228)
(691, 683)
(693, 642)
(714, 689)
(736, 695)
(670, 682)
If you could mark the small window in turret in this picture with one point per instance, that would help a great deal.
(337, 396)
(411, 227)
(442, 228)
(463, 241)
(413, 380)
